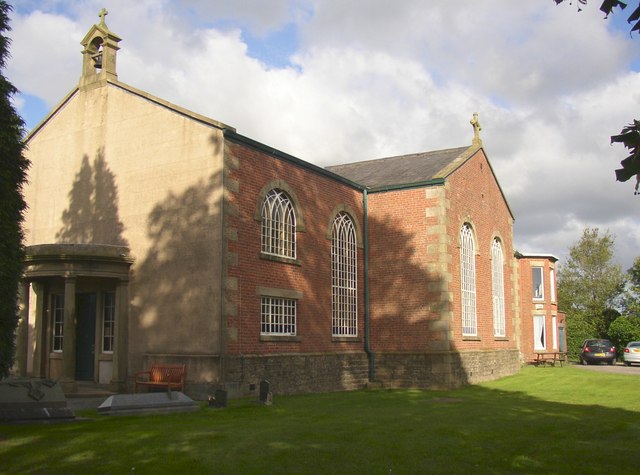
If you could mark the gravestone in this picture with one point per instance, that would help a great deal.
(266, 397)
(29, 399)
(219, 398)
(147, 403)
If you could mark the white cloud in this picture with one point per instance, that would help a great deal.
(45, 55)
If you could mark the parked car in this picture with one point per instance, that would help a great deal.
(597, 351)
(632, 353)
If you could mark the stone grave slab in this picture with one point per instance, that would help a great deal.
(32, 400)
(147, 403)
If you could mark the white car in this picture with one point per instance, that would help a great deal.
(632, 353)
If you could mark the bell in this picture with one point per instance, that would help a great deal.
(97, 60)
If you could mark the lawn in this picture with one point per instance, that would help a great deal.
(543, 421)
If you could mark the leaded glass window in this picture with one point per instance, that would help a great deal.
(497, 280)
(278, 225)
(344, 273)
(468, 282)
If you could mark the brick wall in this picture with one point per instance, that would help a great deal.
(415, 264)
(249, 171)
(546, 307)
(414, 280)
(474, 197)
(408, 288)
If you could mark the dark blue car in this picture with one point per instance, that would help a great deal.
(597, 351)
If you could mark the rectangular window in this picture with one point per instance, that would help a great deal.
(538, 284)
(108, 321)
(539, 333)
(554, 324)
(552, 284)
(57, 302)
(277, 316)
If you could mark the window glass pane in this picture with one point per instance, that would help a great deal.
(552, 284)
(539, 338)
(108, 321)
(538, 287)
(58, 321)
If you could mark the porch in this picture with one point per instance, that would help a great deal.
(74, 312)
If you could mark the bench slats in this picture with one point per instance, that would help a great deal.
(164, 376)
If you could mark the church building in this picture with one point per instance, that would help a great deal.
(158, 235)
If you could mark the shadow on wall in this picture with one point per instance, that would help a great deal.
(407, 321)
(92, 216)
(410, 308)
(176, 289)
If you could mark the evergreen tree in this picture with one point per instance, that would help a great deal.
(590, 287)
(13, 170)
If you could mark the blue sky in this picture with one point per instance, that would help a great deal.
(334, 81)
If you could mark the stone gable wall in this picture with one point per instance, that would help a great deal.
(474, 197)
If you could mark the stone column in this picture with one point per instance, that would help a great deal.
(67, 380)
(120, 350)
(22, 337)
(39, 351)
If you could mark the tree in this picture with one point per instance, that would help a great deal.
(631, 299)
(589, 287)
(13, 173)
(630, 135)
(623, 330)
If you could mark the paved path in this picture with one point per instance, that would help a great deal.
(618, 368)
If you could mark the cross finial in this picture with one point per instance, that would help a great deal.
(103, 13)
(476, 129)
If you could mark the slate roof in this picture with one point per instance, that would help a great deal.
(401, 170)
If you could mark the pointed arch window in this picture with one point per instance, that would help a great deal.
(344, 276)
(278, 225)
(468, 282)
(497, 281)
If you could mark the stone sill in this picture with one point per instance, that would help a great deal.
(281, 338)
(283, 260)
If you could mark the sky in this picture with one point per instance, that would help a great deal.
(339, 81)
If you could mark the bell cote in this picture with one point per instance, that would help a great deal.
(99, 53)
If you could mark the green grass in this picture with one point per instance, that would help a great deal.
(543, 421)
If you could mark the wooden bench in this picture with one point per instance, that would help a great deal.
(550, 357)
(169, 376)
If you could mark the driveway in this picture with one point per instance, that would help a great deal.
(618, 368)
